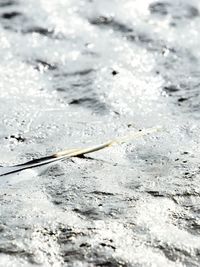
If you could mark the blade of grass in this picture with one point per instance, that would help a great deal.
(74, 152)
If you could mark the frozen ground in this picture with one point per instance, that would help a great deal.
(78, 72)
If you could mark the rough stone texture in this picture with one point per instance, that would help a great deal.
(78, 72)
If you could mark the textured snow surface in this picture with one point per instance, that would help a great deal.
(75, 73)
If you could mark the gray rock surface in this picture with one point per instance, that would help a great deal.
(78, 72)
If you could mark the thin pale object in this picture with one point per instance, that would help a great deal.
(73, 152)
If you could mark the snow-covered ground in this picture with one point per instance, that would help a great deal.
(78, 72)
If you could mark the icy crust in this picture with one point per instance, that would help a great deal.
(77, 73)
